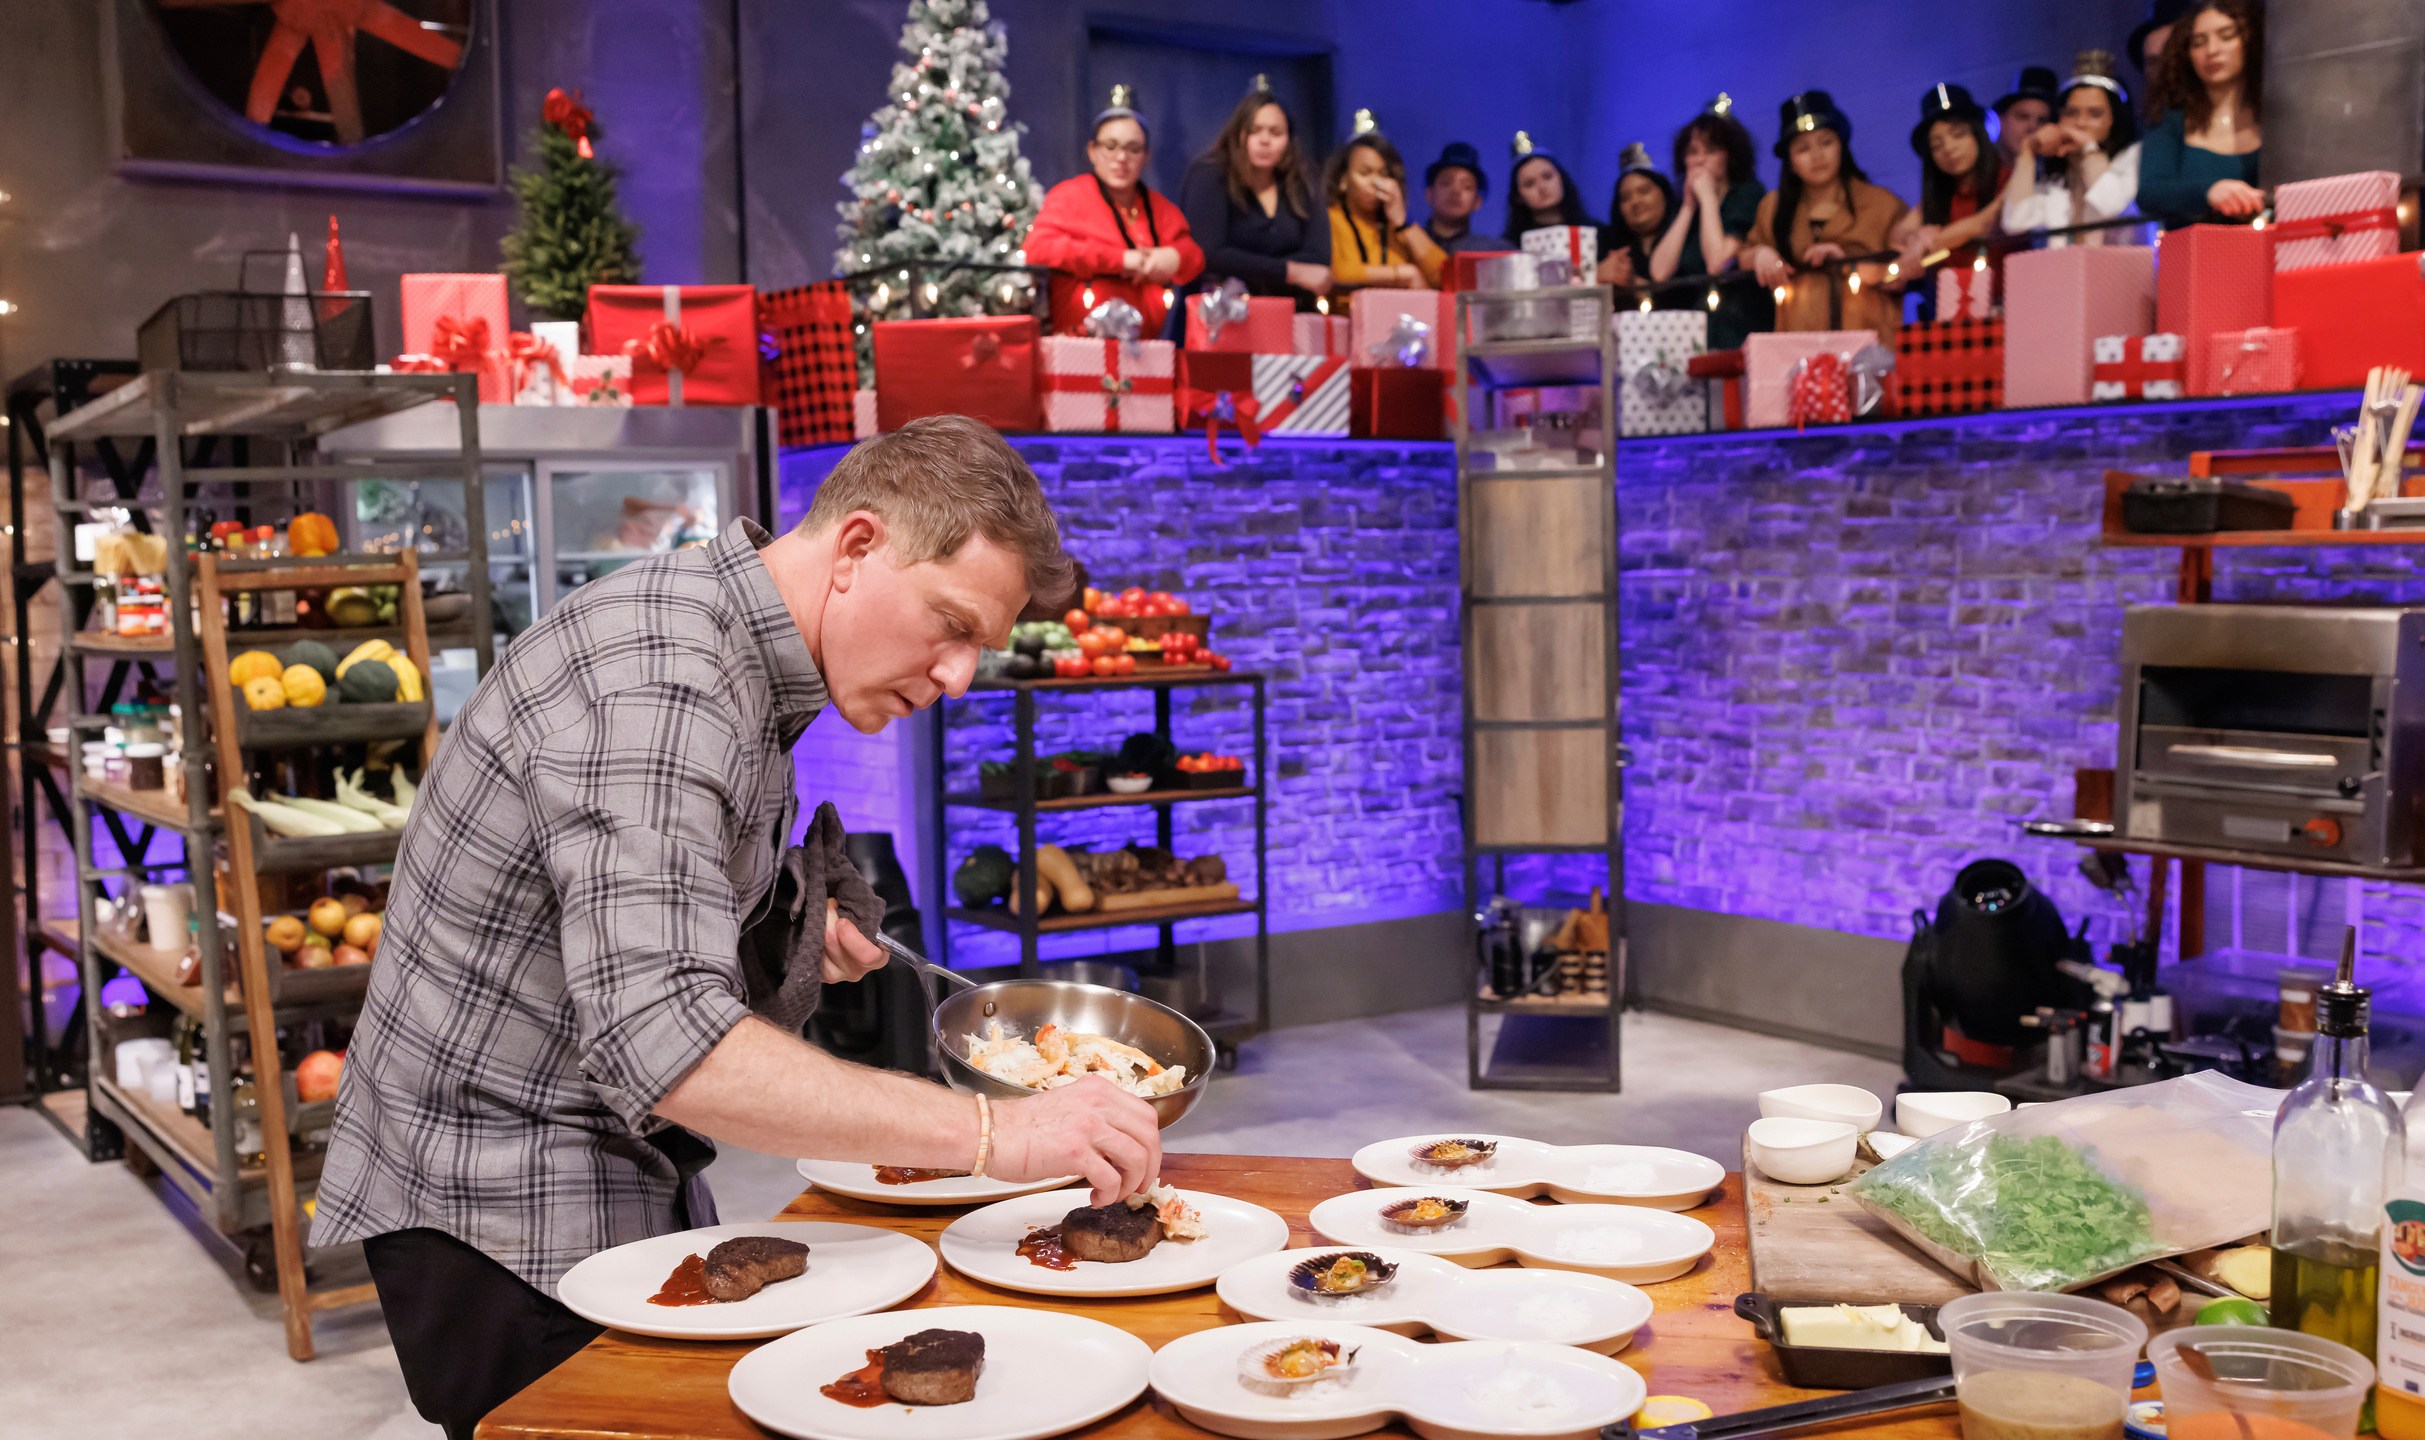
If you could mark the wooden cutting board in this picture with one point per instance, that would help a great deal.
(1813, 1242)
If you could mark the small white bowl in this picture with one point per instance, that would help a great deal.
(1129, 784)
(1795, 1151)
(1921, 1114)
(1886, 1144)
(1844, 1104)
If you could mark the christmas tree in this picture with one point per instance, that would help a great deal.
(939, 176)
(570, 236)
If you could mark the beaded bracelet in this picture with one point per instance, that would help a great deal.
(985, 1135)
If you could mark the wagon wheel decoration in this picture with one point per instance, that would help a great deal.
(333, 29)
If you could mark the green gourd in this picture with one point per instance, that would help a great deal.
(984, 877)
(368, 682)
(317, 656)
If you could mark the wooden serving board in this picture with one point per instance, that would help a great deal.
(1167, 895)
(1813, 1242)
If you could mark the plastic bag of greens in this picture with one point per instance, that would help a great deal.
(2058, 1196)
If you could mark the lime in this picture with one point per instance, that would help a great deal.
(2231, 1310)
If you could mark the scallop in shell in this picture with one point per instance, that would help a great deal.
(1285, 1367)
(1341, 1274)
(1455, 1154)
(1430, 1212)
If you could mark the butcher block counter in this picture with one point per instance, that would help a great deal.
(631, 1388)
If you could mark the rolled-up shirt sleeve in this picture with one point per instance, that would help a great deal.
(631, 805)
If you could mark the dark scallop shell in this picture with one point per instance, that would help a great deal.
(1307, 1277)
(1402, 1214)
(1455, 1154)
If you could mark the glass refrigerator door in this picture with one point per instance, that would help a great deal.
(602, 516)
(431, 511)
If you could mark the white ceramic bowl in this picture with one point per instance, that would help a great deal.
(1921, 1114)
(1886, 1144)
(1845, 1104)
(1129, 784)
(1796, 1151)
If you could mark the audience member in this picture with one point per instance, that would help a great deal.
(1823, 213)
(1250, 207)
(1718, 207)
(1638, 213)
(1371, 243)
(1453, 187)
(1106, 236)
(2085, 166)
(2019, 114)
(2198, 164)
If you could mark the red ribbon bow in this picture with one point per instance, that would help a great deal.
(2333, 227)
(1214, 406)
(526, 352)
(1821, 393)
(419, 365)
(566, 112)
(672, 347)
(984, 349)
(462, 344)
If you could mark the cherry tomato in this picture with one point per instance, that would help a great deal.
(1092, 598)
(1133, 595)
(1125, 664)
(1107, 665)
(1077, 621)
(1218, 662)
(1178, 606)
(1114, 636)
(1160, 597)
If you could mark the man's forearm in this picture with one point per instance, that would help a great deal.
(765, 1090)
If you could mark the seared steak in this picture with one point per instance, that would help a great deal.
(1113, 1234)
(934, 1367)
(740, 1268)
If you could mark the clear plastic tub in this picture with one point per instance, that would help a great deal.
(2269, 1384)
(2041, 1367)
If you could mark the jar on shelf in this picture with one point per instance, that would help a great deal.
(146, 766)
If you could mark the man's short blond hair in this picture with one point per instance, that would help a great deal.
(938, 481)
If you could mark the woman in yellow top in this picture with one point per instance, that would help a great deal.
(1824, 210)
(1371, 244)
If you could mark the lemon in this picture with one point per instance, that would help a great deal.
(1669, 1410)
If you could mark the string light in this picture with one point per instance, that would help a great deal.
(1712, 300)
(1852, 282)
(1322, 304)
(884, 295)
(8, 307)
(1087, 298)
(1894, 269)
(1980, 264)
(1170, 298)
(1644, 307)
(1782, 293)
(934, 292)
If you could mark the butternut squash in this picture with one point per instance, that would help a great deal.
(1053, 864)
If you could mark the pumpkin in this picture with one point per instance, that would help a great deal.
(368, 682)
(316, 655)
(303, 686)
(264, 692)
(311, 533)
(254, 665)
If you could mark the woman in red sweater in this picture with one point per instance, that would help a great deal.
(1106, 236)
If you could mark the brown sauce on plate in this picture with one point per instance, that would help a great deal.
(862, 1388)
(912, 1175)
(686, 1286)
(1043, 1247)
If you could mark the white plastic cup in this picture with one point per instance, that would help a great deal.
(166, 908)
(2279, 1373)
(2009, 1347)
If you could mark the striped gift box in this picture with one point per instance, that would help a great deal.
(1949, 367)
(1302, 394)
(2336, 220)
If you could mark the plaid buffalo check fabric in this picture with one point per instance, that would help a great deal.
(1949, 367)
(564, 928)
(812, 363)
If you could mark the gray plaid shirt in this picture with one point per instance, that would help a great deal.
(563, 932)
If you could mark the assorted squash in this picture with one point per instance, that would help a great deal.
(309, 675)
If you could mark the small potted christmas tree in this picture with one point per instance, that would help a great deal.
(570, 235)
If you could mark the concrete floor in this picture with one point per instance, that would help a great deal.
(150, 1334)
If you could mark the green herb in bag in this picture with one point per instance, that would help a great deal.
(2033, 1213)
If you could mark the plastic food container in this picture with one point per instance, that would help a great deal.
(2304, 1387)
(2050, 1367)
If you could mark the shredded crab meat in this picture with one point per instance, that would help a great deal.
(1180, 1220)
(1058, 1057)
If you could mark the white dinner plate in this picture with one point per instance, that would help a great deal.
(852, 1269)
(1647, 1175)
(1623, 1242)
(1045, 1373)
(1466, 1390)
(1441, 1297)
(858, 1182)
(983, 1245)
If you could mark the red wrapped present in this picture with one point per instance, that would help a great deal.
(982, 366)
(1820, 392)
(811, 361)
(1725, 367)
(1301, 394)
(690, 344)
(1321, 334)
(1108, 384)
(1966, 292)
(2351, 318)
(1949, 367)
(1241, 324)
(2336, 220)
(1394, 402)
(2262, 361)
(1461, 272)
(2141, 367)
(461, 321)
(1216, 389)
(2056, 304)
(1373, 317)
(2212, 278)
(1769, 362)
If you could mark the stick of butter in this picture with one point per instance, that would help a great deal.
(1858, 1327)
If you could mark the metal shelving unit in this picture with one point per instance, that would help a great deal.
(179, 418)
(1227, 1028)
(1543, 751)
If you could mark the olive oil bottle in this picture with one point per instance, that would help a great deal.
(2337, 1143)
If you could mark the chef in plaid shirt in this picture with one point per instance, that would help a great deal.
(563, 1003)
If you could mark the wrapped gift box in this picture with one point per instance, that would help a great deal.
(462, 320)
(1109, 385)
(1578, 245)
(2260, 361)
(1217, 389)
(2056, 304)
(1724, 370)
(2351, 318)
(2141, 367)
(1301, 394)
(690, 344)
(1820, 392)
(1949, 367)
(1396, 402)
(1459, 274)
(811, 359)
(1769, 361)
(1319, 334)
(600, 379)
(536, 362)
(1270, 327)
(1965, 292)
(2336, 220)
(1657, 394)
(863, 415)
(981, 366)
(2212, 278)
(1373, 317)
